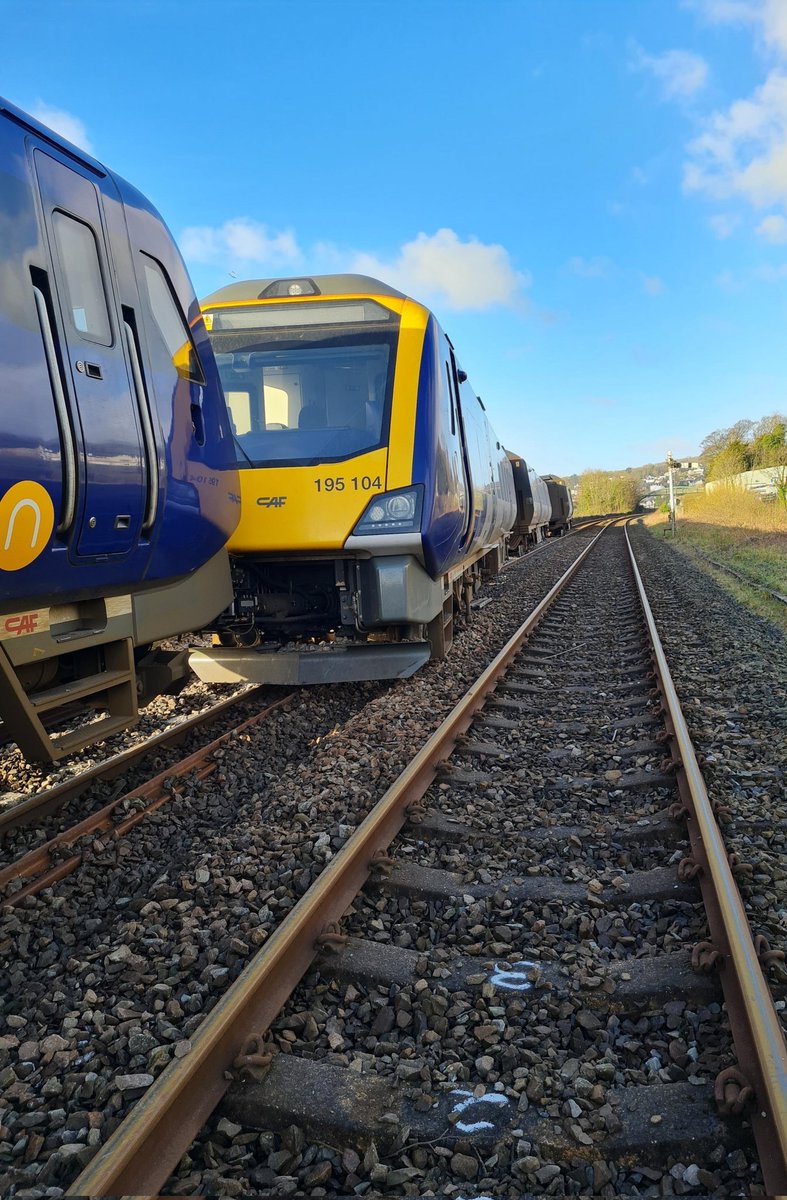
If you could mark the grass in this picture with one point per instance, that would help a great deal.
(739, 530)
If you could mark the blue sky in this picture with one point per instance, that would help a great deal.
(590, 194)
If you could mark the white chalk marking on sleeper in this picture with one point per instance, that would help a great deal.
(470, 1101)
(516, 980)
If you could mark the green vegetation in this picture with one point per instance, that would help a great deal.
(605, 492)
(746, 446)
(740, 530)
(737, 528)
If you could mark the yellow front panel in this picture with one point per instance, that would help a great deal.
(405, 395)
(291, 509)
(294, 509)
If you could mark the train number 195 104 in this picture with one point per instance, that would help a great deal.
(358, 483)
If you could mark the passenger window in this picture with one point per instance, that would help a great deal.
(171, 322)
(87, 302)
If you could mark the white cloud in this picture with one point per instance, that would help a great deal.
(724, 224)
(681, 73)
(240, 241)
(744, 149)
(725, 12)
(461, 275)
(774, 24)
(653, 285)
(591, 268)
(773, 229)
(768, 17)
(64, 123)
(439, 267)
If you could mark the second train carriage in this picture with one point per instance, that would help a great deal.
(374, 490)
(561, 505)
(118, 485)
(533, 507)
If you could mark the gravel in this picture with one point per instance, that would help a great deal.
(106, 978)
(284, 799)
(730, 668)
(543, 1049)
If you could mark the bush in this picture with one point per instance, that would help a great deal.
(736, 507)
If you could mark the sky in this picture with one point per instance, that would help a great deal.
(591, 195)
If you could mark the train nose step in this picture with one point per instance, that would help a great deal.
(113, 689)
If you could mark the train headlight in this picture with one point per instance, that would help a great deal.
(393, 512)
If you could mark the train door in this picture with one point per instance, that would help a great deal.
(111, 474)
(453, 383)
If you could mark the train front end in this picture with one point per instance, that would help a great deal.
(321, 379)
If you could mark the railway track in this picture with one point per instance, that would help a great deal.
(490, 985)
(21, 810)
(61, 855)
(35, 808)
(39, 805)
(258, 828)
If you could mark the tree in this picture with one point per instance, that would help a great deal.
(605, 492)
(768, 424)
(732, 460)
(766, 450)
(712, 445)
(780, 483)
(739, 432)
(722, 439)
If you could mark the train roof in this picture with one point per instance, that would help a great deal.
(554, 479)
(27, 121)
(309, 285)
(128, 193)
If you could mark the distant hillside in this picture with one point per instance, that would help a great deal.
(621, 491)
(637, 475)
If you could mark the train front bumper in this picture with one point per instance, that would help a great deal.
(320, 664)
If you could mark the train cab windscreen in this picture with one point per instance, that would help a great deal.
(306, 383)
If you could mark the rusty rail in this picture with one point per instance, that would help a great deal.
(144, 1149)
(36, 807)
(759, 1084)
(155, 792)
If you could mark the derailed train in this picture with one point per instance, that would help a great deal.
(374, 491)
(118, 486)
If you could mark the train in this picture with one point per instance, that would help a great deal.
(533, 507)
(375, 494)
(118, 483)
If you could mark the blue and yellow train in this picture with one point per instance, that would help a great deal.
(374, 491)
(118, 486)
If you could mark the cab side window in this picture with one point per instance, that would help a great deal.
(171, 322)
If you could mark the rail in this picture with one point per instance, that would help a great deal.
(42, 804)
(755, 1024)
(54, 866)
(141, 1153)
(144, 1149)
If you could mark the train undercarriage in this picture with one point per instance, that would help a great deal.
(331, 619)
